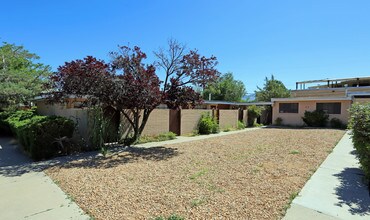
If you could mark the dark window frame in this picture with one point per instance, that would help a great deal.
(292, 109)
(331, 108)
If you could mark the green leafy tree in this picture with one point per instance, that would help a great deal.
(272, 89)
(226, 88)
(21, 76)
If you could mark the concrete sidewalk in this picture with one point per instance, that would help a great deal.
(182, 139)
(27, 193)
(336, 190)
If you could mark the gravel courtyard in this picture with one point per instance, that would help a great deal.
(248, 175)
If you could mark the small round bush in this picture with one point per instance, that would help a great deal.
(337, 123)
(241, 125)
(208, 125)
(205, 125)
(278, 121)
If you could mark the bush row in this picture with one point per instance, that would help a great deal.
(42, 137)
(360, 124)
(318, 118)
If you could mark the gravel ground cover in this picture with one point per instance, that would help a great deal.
(249, 175)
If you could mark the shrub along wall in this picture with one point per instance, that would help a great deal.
(42, 137)
(360, 124)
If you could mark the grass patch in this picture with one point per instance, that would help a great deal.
(197, 202)
(229, 128)
(215, 188)
(157, 138)
(171, 217)
(198, 174)
(255, 170)
(291, 198)
(295, 152)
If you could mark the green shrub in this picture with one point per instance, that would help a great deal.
(337, 123)
(215, 126)
(253, 113)
(360, 124)
(4, 125)
(278, 121)
(42, 137)
(241, 125)
(15, 119)
(102, 130)
(207, 125)
(46, 135)
(316, 118)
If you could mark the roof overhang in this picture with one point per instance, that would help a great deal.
(331, 80)
(215, 102)
(311, 99)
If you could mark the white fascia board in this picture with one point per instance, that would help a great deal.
(311, 99)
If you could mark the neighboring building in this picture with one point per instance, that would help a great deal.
(334, 96)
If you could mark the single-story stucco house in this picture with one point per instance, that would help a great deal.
(334, 96)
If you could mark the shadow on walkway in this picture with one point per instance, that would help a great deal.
(353, 191)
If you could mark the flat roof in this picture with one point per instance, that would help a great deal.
(311, 99)
(216, 102)
(330, 80)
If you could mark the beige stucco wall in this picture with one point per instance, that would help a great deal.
(332, 92)
(245, 116)
(228, 118)
(158, 122)
(80, 116)
(362, 100)
(295, 119)
(190, 119)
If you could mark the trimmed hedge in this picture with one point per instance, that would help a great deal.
(41, 136)
(360, 124)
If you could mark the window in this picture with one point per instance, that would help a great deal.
(288, 107)
(330, 108)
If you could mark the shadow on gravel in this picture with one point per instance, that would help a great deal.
(14, 163)
(353, 191)
(121, 156)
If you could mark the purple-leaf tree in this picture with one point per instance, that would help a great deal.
(127, 85)
(184, 69)
(89, 78)
(133, 88)
(139, 88)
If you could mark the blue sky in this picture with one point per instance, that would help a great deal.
(294, 40)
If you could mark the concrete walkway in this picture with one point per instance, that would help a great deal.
(335, 191)
(27, 193)
(182, 139)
